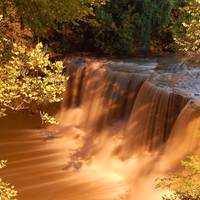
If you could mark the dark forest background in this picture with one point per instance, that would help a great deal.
(106, 27)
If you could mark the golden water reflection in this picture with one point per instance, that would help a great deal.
(56, 163)
(36, 163)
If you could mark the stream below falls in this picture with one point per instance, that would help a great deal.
(122, 125)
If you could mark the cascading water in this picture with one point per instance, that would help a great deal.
(107, 98)
(118, 132)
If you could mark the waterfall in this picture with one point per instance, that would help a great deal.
(132, 120)
(118, 132)
(107, 98)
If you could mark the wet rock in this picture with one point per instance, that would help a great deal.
(163, 78)
(170, 63)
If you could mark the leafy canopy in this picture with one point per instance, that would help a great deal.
(154, 16)
(6, 190)
(187, 37)
(43, 15)
(27, 75)
(12, 27)
(114, 33)
(184, 185)
(191, 39)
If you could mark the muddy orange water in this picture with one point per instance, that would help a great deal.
(118, 132)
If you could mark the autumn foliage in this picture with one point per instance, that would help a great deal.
(184, 185)
(6, 190)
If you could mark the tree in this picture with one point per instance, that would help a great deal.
(124, 24)
(6, 191)
(45, 13)
(186, 35)
(184, 185)
(49, 20)
(114, 33)
(153, 17)
(27, 75)
(43, 16)
(12, 27)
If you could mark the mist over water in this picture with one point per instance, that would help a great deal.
(118, 132)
